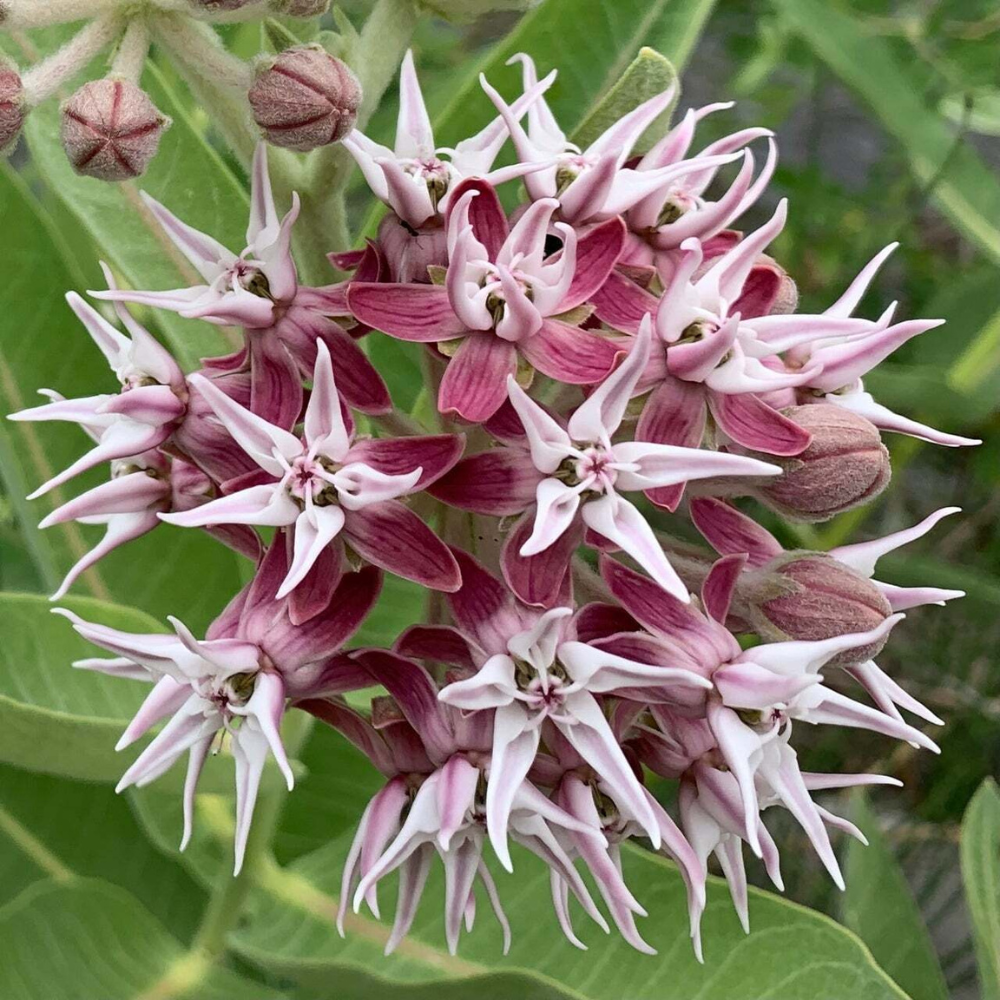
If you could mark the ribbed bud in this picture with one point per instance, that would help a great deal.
(12, 108)
(300, 8)
(305, 98)
(845, 465)
(111, 130)
(220, 6)
(409, 252)
(811, 596)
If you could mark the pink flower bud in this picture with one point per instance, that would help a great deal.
(845, 465)
(300, 8)
(12, 109)
(111, 130)
(811, 596)
(218, 6)
(305, 98)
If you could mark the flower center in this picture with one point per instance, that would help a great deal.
(309, 477)
(677, 203)
(543, 691)
(570, 167)
(432, 172)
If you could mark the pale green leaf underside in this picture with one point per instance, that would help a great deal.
(879, 907)
(980, 853)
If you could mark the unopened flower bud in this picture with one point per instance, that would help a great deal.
(111, 130)
(220, 6)
(845, 465)
(811, 596)
(305, 98)
(12, 109)
(409, 252)
(300, 8)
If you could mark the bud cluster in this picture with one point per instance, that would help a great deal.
(590, 355)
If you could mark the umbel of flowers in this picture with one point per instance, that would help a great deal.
(608, 359)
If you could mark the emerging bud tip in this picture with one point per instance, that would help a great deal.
(111, 130)
(305, 98)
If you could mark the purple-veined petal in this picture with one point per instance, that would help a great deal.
(435, 455)
(421, 313)
(752, 423)
(731, 532)
(475, 382)
(568, 354)
(500, 483)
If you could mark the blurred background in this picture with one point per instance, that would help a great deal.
(887, 114)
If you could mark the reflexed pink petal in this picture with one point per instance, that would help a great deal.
(439, 643)
(667, 616)
(388, 534)
(312, 595)
(717, 590)
(415, 692)
(435, 454)
(482, 607)
(475, 382)
(622, 304)
(729, 531)
(674, 414)
(486, 214)
(417, 312)
(537, 579)
(596, 254)
(568, 354)
(275, 389)
(752, 423)
(500, 483)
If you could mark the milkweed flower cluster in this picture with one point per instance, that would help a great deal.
(607, 359)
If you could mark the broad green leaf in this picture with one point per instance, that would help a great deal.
(51, 827)
(792, 952)
(88, 939)
(591, 42)
(879, 907)
(648, 75)
(965, 190)
(980, 853)
(187, 175)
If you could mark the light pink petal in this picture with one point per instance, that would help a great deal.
(491, 687)
(315, 528)
(855, 292)
(267, 506)
(620, 522)
(740, 747)
(556, 511)
(549, 443)
(650, 465)
(414, 136)
(598, 418)
(204, 252)
(883, 418)
(258, 438)
(456, 794)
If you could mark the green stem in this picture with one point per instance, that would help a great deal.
(323, 224)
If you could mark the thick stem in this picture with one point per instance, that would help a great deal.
(15, 14)
(381, 47)
(218, 79)
(44, 79)
(130, 58)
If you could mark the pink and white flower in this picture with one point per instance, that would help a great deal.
(325, 486)
(501, 302)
